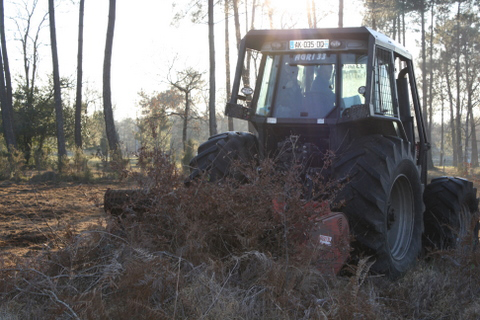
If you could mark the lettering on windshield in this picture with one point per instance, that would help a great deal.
(310, 57)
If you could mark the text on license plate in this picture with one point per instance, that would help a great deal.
(309, 44)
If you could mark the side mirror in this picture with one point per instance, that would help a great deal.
(362, 90)
(247, 91)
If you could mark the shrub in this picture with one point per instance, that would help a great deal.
(11, 165)
(76, 168)
(43, 160)
(189, 153)
(4, 166)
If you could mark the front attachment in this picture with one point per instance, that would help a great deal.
(331, 237)
(327, 238)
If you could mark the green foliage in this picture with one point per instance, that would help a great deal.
(189, 153)
(34, 118)
(127, 131)
(119, 164)
(94, 133)
(43, 159)
(4, 166)
(12, 165)
(69, 125)
(154, 125)
(76, 167)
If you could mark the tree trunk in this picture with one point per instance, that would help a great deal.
(78, 98)
(6, 88)
(30, 61)
(236, 19)
(474, 143)
(470, 74)
(314, 15)
(309, 14)
(374, 12)
(269, 12)
(452, 115)
(246, 15)
(227, 62)
(62, 151)
(340, 14)
(458, 121)
(442, 134)
(185, 120)
(6, 64)
(424, 69)
(107, 92)
(189, 80)
(430, 92)
(394, 28)
(430, 76)
(471, 71)
(467, 136)
(211, 43)
(399, 28)
(7, 113)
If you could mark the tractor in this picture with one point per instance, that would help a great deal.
(350, 91)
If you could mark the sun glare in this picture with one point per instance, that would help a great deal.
(327, 16)
(283, 5)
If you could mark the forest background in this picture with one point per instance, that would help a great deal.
(101, 77)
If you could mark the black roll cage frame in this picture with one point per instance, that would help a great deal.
(255, 39)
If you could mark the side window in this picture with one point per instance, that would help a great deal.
(383, 99)
(265, 97)
(354, 77)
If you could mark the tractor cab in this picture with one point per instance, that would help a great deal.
(315, 74)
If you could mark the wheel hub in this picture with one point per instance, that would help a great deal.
(400, 218)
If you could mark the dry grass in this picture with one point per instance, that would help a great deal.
(219, 251)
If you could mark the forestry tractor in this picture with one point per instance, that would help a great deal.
(351, 91)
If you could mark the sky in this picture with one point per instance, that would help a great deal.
(145, 44)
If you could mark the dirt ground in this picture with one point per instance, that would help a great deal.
(34, 217)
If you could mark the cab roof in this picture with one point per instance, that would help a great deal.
(256, 38)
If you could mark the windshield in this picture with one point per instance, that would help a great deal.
(305, 85)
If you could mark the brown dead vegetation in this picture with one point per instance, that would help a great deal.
(209, 251)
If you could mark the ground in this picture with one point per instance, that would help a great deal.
(101, 275)
(36, 216)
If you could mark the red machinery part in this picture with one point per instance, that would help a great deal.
(331, 236)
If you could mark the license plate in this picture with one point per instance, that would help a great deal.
(309, 44)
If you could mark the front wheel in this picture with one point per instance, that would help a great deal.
(382, 198)
(216, 156)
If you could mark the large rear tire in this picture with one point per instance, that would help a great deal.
(216, 155)
(382, 199)
(451, 207)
